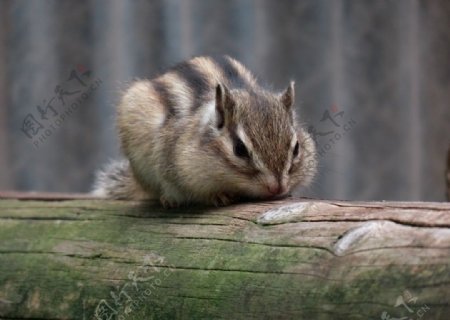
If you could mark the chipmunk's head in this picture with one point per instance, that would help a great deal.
(266, 152)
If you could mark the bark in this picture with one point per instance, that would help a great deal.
(290, 259)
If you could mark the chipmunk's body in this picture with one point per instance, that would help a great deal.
(206, 132)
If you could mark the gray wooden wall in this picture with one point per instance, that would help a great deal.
(373, 82)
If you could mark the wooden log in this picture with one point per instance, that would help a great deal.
(448, 174)
(290, 259)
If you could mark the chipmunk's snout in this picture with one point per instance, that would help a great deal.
(275, 189)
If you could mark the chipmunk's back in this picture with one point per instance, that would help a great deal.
(190, 84)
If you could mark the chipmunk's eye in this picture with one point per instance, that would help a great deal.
(240, 150)
(295, 152)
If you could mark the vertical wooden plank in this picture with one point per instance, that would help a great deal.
(146, 38)
(214, 28)
(342, 158)
(408, 78)
(5, 174)
(435, 99)
(80, 135)
(177, 29)
(374, 29)
(32, 74)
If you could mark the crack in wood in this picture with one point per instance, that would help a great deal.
(335, 258)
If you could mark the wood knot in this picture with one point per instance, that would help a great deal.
(354, 238)
(288, 213)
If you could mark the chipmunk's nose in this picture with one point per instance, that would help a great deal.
(274, 189)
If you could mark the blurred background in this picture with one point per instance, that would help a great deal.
(372, 83)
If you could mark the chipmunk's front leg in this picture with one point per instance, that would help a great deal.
(221, 199)
(168, 203)
(171, 198)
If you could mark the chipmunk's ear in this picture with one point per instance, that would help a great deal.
(288, 96)
(224, 106)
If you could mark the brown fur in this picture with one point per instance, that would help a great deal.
(180, 133)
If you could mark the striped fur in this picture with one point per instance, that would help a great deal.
(182, 133)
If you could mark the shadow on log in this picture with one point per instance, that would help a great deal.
(290, 259)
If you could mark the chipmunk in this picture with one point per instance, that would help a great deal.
(205, 132)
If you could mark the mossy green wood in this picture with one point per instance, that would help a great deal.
(93, 259)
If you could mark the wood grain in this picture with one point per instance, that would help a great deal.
(290, 259)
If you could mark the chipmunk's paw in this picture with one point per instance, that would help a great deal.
(168, 203)
(221, 199)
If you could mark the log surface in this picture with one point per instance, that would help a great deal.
(290, 259)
